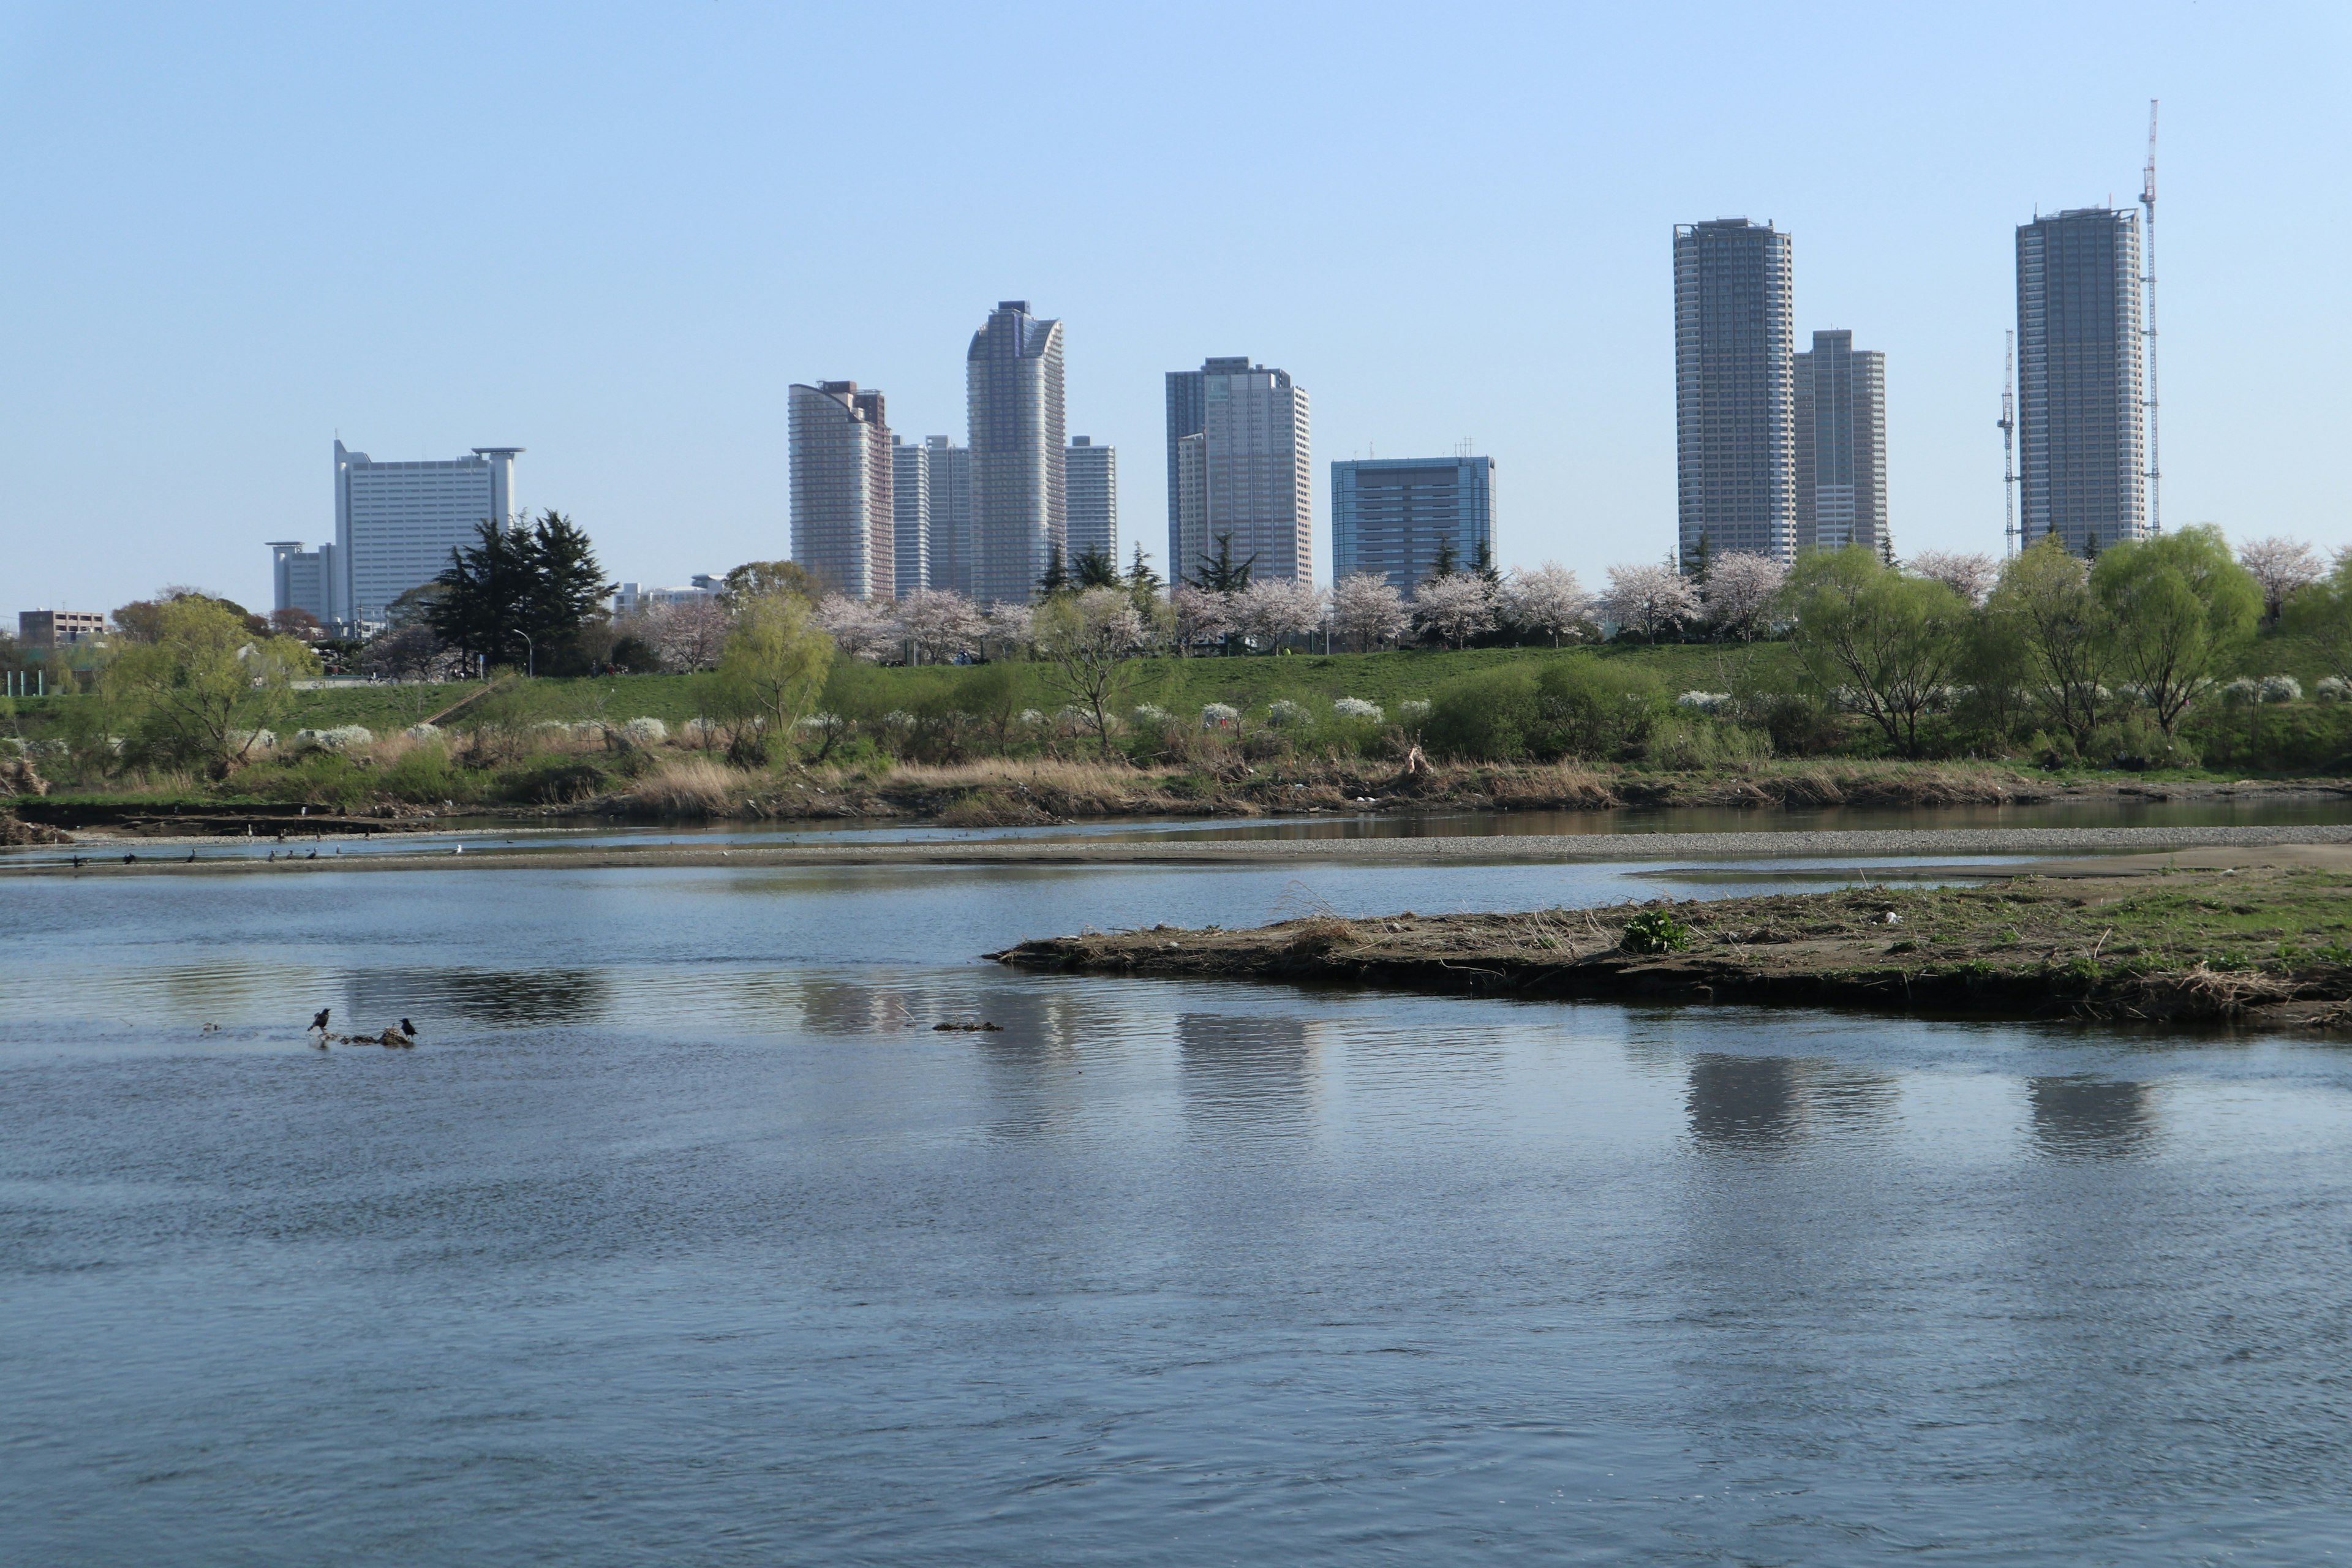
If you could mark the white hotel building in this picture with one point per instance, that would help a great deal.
(395, 524)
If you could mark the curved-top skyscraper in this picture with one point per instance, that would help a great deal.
(1013, 391)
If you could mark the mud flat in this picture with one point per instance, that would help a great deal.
(2266, 943)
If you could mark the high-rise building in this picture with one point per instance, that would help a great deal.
(842, 522)
(1735, 442)
(302, 579)
(1251, 471)
(1012, 390)
(911, 515)
(2080, 457)
(1841, 400)
(948, 546)
(1091, 481)
(395, 524)
(1393, 516)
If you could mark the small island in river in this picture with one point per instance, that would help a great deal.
(2268, 941)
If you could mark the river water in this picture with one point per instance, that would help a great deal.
(682, 1236)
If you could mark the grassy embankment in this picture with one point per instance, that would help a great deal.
(501, 754)
(2270, 944)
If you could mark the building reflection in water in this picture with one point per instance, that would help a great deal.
(1248, 1073)
(2091, 1118)
(1765, 1102)
(477, 995)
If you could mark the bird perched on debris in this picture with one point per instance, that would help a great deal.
(319, 1024)
(408, 1028)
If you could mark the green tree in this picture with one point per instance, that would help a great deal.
(1445, 564)
(1220, 573)
(1143, 586)
(1095, 569)
(1702, 558)
(196, 693)
(2320, 615)
(2180, 607)
(541, 583)
(772, 664)
(754, 578)
(2045, 609)
(1056, 579)
(1889, 641)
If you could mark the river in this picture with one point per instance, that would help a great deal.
(683, 1236)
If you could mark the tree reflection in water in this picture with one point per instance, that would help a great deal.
(1763, 1102)
(1247, 1073)
(480, 996)
(2079, 1118)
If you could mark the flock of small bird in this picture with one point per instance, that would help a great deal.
(400, 1038)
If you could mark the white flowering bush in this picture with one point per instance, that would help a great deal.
(2334, 689)
(1030, 716)
(698, 731)
(1220, 716)
(1151, 714)
(645, 732)
(342, 738)
(1357, 708)
(2242, 692)
(1284, 714)
(423, 731)
(1704, 701)
(2282, 689)
(253, 740)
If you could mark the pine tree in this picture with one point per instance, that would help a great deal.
(1221, 574)
(1056, 579)
(1446, 563)
(1702, 556)
(1095, 569)
(1483, 564)
(540, 581)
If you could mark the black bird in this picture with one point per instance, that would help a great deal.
(320, 1023)
(191, 858)
(313, 856)
(408, 1028)
(127, 859)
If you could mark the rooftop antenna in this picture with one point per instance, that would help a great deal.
(2147, 298)
(2007, 423)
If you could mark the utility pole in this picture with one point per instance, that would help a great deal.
(2147, 297)
(2007, 423)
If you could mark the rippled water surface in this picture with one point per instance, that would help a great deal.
(683, 1236)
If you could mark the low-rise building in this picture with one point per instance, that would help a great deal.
(633, 597)
(58, 628)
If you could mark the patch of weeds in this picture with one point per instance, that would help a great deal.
(1655, 930)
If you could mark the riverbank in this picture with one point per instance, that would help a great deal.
(2267, 943)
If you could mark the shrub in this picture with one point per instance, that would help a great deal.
(1285, 714)
(645, 732)
(2282, 689)
(1487, 717)
(1697, 744)
(2334, 689)
(1357, 708)
(1704, 701)
(1655, 930)
(423, 731)
(1220, 716)
(421, 775)
(342, 738)
(1594, 709)
(1800, 727)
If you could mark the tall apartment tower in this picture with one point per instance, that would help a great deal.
(911, 517)
(1090, 478)
(948, 470)
(1013, 391)
(843, 527)
(395, 524)
(1840, 399)
(1391, 516)
(1243, 469)
(2080, 459)
(1734, 439)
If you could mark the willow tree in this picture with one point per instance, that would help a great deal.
(770, 668)
(1886, 641)
(203, 689)
(2180, 607)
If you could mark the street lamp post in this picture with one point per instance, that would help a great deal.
(531, 655)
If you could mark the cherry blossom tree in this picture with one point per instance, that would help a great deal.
(1201, 615)
(858, 627)
(1649, 599)
(1456, 608)
(1970, 576)
(1740, 588)
(1548, 599)
(2279, 566)
(941, 623)
(1270, 609)
(1368, 610)
(1008, 624)
(686, 635)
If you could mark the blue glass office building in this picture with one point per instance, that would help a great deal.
(1389, 515)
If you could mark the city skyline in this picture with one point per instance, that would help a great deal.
(633, 357)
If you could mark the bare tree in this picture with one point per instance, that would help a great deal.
(408, 653)
(1270, 609)
(686, 635)
(1740, 589)
(941, 623)
(2280, 566)
(1086, 639)
(1368, 610)
(1971, 576)
(1456, 608)
(1548, 599)
(1201, 615)
(1649, 599)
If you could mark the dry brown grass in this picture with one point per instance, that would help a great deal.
(690, 787)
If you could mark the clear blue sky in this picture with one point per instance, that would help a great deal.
(614, 235)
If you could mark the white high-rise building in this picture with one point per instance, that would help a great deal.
(1013, 389)
(843, 529)
(396, 523)
(1249, 471)
(302, 579)
(1090, 478)
(1840, 430)
(911, 515)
